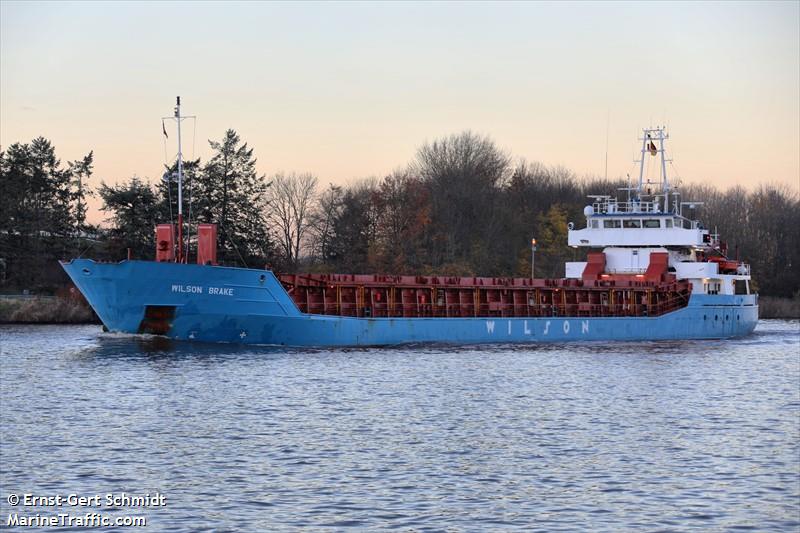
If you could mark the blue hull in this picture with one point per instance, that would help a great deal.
(222, 304)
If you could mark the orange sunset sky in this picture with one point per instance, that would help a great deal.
(350, 90)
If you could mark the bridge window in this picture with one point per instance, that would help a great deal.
(668, 223)
(712, 288)
(651, 223)
(611, 223)
(687, 224)
(631, 223)
(595, 224)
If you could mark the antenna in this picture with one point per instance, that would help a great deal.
(665, 182)
(629, 187)
(608, 120)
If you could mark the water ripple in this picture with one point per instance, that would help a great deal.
(656, 436)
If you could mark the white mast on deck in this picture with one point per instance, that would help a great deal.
(181, 255)
(650, 135)
(180, 158)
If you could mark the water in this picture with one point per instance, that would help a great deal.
(625, 436)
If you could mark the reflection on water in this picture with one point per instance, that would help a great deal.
(662, 435)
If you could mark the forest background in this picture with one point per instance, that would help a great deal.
(462, 206)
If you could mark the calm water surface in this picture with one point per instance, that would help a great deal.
(625, 436)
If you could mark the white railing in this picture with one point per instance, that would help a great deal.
(612, 207)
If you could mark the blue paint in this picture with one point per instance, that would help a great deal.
(223, 304)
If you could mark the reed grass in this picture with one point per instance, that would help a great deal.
(46, 311)
(775, 307)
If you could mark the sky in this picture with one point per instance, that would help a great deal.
(351, 90)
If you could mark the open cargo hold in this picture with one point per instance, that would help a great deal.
(436, 296)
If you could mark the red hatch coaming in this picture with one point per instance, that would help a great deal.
(376, 296)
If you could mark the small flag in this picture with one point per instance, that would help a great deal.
(164, 129)
(651, 146)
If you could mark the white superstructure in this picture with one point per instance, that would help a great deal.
(651, 220)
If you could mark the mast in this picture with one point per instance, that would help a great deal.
(178, 117)
(180, 256)
(648, 141)
(665, 181)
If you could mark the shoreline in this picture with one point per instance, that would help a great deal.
(778, 307)
(46, 310)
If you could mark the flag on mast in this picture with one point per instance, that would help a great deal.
(164, 129)
(651, 146)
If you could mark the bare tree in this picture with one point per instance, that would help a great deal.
(289, 205)
(326, 210)
(464, 174)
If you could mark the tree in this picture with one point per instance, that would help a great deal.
(81, 171)
(167, 191)
(230, 193)
(552, 242)
(773, 228)
(135, 210)
(464, 174)
(289, 208)
(326, 210)
(353, 242)
(530, 191)
(40, 211)
(403, 230)
(762, 227)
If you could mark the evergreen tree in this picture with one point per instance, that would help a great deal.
(167, 192)
(81, 171)
(136, 210)
(39, 211)
(230, 193)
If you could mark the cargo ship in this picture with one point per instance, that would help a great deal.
(650, 273)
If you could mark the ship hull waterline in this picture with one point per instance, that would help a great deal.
(249, 306)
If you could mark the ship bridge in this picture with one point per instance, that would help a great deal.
(652, 214)
(636, 223)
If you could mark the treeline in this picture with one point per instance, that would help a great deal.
(42, 213)
(463, 206)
